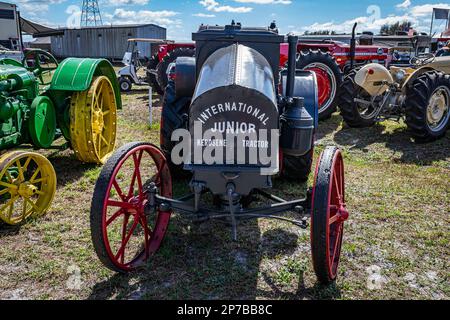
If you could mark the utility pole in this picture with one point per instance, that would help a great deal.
(90, 14)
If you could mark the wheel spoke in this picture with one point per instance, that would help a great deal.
(8, 185)
(43, 179)
(27, 162)
(19, 168)
(137, 163)
(338, 235)
(119, 204)
(104, 139)
(338, 187)
(121, 252)
(124, 232)
(9, 202)
(8, 176)
(333, 219)
(115, 216)
(119, 190)
(32, 204)
(35, 175)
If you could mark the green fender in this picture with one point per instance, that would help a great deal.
(75, 74)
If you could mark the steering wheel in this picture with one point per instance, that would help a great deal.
(422, 59)
(41, 63)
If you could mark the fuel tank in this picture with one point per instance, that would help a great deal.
(234, 103)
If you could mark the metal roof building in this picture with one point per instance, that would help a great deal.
(108, 42)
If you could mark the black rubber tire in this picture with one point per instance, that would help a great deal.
(167, 60)
(123, 81)
(173, 116)
(151, 77)
(297, 169)
(307, 57)
(97, 204)
(347, 105)
(319, 216)
(416, 103)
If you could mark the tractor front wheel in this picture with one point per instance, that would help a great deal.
(329, 78)
(27, 186)
(93, 119)
(126, 229)
(328, 213)
(428, 106)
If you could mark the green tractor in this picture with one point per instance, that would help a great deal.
(40, 102)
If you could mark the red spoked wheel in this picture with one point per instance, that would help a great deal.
(328, 214)
(125, 230)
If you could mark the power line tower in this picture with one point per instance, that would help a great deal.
(90, 14)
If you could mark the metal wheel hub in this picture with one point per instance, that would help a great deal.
(438, 109)
(27, 189)
(97, 122)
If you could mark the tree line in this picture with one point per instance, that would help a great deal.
(387, 29)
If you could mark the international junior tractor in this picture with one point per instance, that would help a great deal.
(78, 102)
(419, 93)
(231, 103)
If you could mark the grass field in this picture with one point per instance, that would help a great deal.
(396, 243)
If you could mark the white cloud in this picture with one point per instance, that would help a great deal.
(425, 10)
(117, 3)
(204, 15)
(265, 1)
(163, 18)
(419, 15)
(214, 6)
(35, 7)
(404, 5)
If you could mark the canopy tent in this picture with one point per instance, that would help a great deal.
(37, 30)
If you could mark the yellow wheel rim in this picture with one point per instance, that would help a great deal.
(27, 186)
(93, 117)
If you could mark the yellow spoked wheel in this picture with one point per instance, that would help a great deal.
(93, 117)
(27, 186)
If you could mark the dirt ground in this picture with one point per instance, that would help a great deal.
(396, 243)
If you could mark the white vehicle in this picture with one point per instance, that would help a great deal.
(134, 72)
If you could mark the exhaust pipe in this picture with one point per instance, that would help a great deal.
(353, 47)
(292, 65)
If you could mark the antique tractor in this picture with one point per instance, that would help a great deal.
(243, 119)
(420, 93)
(79, 103)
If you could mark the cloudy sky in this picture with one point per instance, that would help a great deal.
(181, 17)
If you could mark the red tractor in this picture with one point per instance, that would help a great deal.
(160, 62)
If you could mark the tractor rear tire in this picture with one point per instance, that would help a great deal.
(167, 60)
(419, 111)
(151, 76)
(297, 168)
(329, 78)
(347, 105)
(173, 117)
